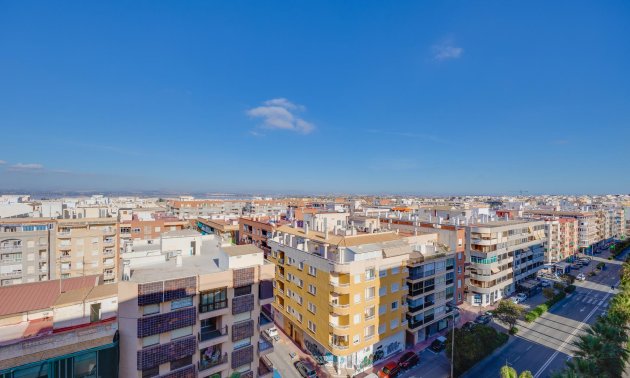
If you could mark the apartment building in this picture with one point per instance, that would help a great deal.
(147, 229)
(502, 256)
(191, 208)
(561, 239)
(257, 230)
(59, 329)
(25, 249)
(342, 295)
(225, 228)
(587, 225)
(449, 237)
(198, 316)
(86, 247)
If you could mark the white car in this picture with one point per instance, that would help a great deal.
(272, 332)
(521, 297)
(514, 300)
(581, 277)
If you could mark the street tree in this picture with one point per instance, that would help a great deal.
(508, 312)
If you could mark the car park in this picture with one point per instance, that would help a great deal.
(390, 370)
(408, 360)
(305, 369)
(439, 344)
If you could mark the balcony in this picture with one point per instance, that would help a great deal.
(109, 241)
(213, 363)
(339, 345)
(14, 274)
(264, 321)
(340, 309)
(265, 345)
(209, 337)
(10, 260)
(339, 288)
(12, 248)
(265, 368)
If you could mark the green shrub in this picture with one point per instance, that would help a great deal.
(558, 286)
(513, 331)
(569, 289)
(530, 316)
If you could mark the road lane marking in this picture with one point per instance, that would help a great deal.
(528, 348)
(566, 341)
(582, 309)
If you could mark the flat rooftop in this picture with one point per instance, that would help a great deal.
(167, 270)
(503, 223)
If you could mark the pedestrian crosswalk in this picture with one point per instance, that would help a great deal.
(591, 299)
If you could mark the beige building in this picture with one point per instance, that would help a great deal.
(198, 316)
(503, 255)
(86, 247)
(25, 249)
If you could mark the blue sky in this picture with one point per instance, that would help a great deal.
(357, 96)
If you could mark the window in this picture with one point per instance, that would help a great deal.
(213, 300)
(181, 332)
(370, 274)
(311, 326)
(150, 340)
(301, 265)
(382, 328)
(382, 273)
(312, 308)
(459, 284)
(370, 312)
(95, 312)
(395, 270)
(152, 372)
(181, 362)
(357, 318)
(394, 324)
(459, 269)
(394, 287)
(299, 282)
(357, 278)
(369, 293)
(84, 364)
(150, 309)
(243, 290)
(382, 309)
(356, 339)
(182, 302)
(394, 305)
(312, 271)
(357, 298)
(382, 291)
(369, 331)
(312, 289)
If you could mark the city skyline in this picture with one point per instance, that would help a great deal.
(315, 98)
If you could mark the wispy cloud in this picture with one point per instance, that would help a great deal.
(403, 134)
(446, 50)
(281, 114)
(29, 167)
(2, 162)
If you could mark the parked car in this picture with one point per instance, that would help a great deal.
(408, 360)
(483, 319)
(521, 297)
(305, 369)
(439, 344)
(545, 283)
(468, 326)
(390, 370)
(581, 277)
(514, 300)
(272, 332)
(585, 262)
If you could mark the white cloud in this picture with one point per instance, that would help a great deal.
(446, 50)
(281, 114)
(26, 167)
(2, 162)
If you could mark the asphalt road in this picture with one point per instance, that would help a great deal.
(544, 345)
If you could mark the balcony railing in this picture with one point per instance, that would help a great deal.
(207, 364)
(265, 367)
(13, 248)
(209, 334)
(338, 345)
(264, 343)
(264, 319)
(11, 274)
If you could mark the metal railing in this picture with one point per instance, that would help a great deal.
(207, 364)
(205, 335)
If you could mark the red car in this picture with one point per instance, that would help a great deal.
(390, 370)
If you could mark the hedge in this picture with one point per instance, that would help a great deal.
(541, 309)
(569, 289)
